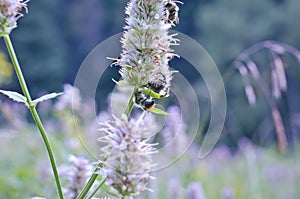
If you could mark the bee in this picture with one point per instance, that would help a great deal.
(156, 88)
(159, 85)
(172, 9)
(115, 61)
(143, 100)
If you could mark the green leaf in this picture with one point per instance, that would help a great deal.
(128, 67)
(120, 83)
(45, 97)
(151, 93)
(158, 111)
(14, 96)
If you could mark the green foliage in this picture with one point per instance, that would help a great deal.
(158, 111)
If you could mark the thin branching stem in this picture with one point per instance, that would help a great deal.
(89, 184)
(130, 104)
(33, 112)
(97, 188)
(17, 67)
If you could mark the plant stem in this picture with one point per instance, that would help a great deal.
(89, 184)
(96, 190)
(17, 67)
(130, 104)
(33, 111)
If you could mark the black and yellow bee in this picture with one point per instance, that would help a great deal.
(159, 85)
(155, 89)
(171, 10)
(143, 100)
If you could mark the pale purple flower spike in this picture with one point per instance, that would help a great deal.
(127, 156)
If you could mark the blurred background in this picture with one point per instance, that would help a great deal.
(54, 38)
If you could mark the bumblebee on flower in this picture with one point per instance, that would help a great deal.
(144, 67)
(147, 50)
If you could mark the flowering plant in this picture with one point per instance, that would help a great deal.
(125, 160)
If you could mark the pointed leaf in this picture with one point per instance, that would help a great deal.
(128, 67)
(46, 97)
(151, 93)
(158, 111)
(14, 96)
(120, 83)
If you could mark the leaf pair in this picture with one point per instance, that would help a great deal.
(17, 97)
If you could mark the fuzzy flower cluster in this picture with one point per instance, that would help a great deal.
(127, 156)
(10, 12)
(77, 174)
(195, 191)
(146, 43)
(71, 99)
(175, 132)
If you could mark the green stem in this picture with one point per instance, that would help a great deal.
(130, 104)
(98, 187)
(89, 184)
(33, 111)
(17, 67)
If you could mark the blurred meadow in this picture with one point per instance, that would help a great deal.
(258, 153)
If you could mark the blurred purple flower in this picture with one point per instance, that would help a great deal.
(195, 191)
(70, 99)
(76, 173)
(227, 193)
(175, 131)
(8, 109)
(175, 190)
